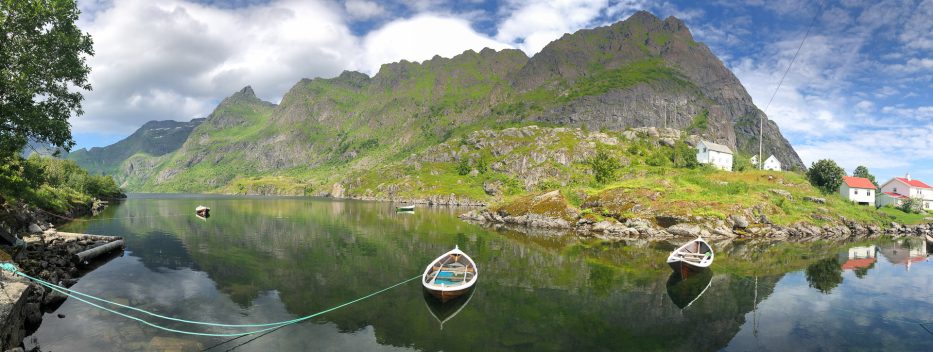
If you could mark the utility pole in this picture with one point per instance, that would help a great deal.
(761, 136)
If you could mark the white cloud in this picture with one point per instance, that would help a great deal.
(363, 9)
(532, 25)
(175, 59)
(420, 38)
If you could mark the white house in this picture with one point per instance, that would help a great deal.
(859, 190)
(718, 155)
(899, 188)
(771, 163)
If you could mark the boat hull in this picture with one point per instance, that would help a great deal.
(685, 269)
(445, 296)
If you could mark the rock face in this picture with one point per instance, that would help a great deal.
(698, 84)
(13, 310)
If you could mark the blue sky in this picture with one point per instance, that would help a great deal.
(859, 92)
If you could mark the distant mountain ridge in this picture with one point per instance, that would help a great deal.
(641, 72)
(154, 138)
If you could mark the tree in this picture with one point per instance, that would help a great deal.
(826, 175)
(862, 172)
(911, 205)
(604, 165)
(684, 156)
(42, 63)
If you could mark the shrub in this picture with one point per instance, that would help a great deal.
(463, 166)
(684, 156)
(911, 205)
(604, 165)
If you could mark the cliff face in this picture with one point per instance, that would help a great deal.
(680, 79)
(641, 72)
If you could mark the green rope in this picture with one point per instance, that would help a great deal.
(68, 292)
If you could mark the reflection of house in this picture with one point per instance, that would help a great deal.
(906, 252)
(898, 189)
(718, 155)
(859, 257)
(857, 189)
(771, 163)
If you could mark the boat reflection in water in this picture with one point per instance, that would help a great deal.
(683, 291)
(445, 311)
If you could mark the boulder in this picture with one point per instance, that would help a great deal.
(685, 230)
(782, 193)
(815, 199)
(738, 221)
(492, 188)
(34, 228)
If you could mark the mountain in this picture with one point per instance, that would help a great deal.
(327, 133)
(154, 138)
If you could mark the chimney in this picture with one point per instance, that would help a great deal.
(908, 176)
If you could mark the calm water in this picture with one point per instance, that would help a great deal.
(258, 260)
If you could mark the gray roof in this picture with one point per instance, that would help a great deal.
(717, 147)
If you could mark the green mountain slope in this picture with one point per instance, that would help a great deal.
(329, 133)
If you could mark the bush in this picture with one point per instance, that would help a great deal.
(826, 175)
(742, 162)
(604, 165)
(911, 205)
(684, 156)
(463, 166)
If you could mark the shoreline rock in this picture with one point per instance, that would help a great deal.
(665, 227)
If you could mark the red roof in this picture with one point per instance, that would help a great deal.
(895, 195)
(858, 263)
(858, 182)
(914, 183)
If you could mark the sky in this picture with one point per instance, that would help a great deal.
(860, 92)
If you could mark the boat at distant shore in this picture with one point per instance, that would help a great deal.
(693, 256)
(405, 208)
(450, 275)
(202, 211)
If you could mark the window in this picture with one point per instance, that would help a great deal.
(869, 193)
(856, 192)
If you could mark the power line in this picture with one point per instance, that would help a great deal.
(761, 121)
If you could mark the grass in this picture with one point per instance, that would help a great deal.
(900, 217)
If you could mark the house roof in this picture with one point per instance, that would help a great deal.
(858, 263)
(858, 182)
(717, 147)
(895, 195)
(913, 183)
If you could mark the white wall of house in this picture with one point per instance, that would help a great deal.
(899, 187)
(772, 163)
(722, 161)
(858, 195)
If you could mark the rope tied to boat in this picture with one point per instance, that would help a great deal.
(268, 326)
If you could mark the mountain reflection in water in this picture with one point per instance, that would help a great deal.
(259, 260)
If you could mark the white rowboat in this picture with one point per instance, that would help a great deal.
(693, 256)
(450, 275)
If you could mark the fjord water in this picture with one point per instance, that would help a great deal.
(258, 260)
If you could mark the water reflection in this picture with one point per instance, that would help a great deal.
(683, 291)
(445, 311)
(271, 259)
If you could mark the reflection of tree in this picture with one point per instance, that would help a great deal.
(861, 272)
(824, 275)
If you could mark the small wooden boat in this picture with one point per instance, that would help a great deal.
(405, 208)
(202, 211)
(693, 256)
(450, 275)
(929, 239)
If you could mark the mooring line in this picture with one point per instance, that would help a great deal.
(270, 326)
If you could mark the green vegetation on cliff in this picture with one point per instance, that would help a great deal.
(53, 184)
